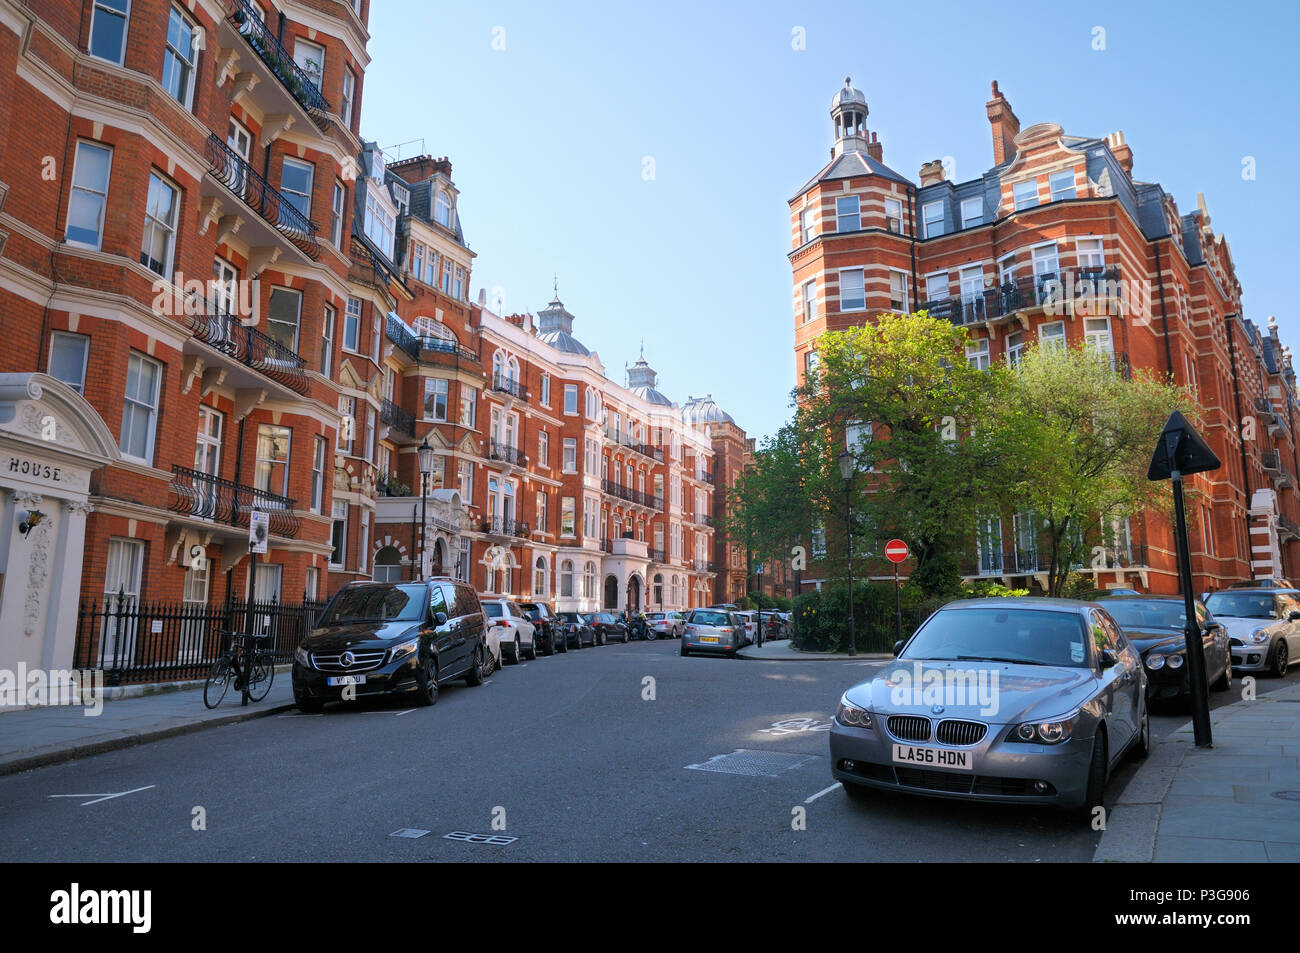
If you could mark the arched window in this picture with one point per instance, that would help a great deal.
(498, 366)
(388, 565)
(589, 580)
(566, 578)
(512, 369)
(432, 327)
(539, 577)
(442, 209)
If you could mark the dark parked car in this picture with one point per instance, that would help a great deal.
(547, 633)
(376, 638)
(577, 630)
(1154, 626)
(608, 627)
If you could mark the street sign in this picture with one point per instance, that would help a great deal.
(896, 550)
(259, 527)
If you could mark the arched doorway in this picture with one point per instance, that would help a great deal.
(634, 594)
(435, 568)
(388, 565)
(611, 593)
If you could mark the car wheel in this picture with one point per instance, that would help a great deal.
(1224, 682)
(474, 677)
(1092, 795)
(685, 650)
(427, 679)
(530, 653)
(603, 639)
(517, 657)
(1142, 746)
(1280, 659)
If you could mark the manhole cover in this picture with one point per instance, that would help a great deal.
(408, 832)
(754, 764)
(1287, 795)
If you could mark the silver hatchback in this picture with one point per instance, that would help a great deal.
(1023, 700)
(713, 631)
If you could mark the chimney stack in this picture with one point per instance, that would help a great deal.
(1005, 126)
(1120, 150)
(875, 149)
(932, 172)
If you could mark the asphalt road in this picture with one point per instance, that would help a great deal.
(570, 755)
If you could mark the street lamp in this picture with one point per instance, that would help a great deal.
(426, 456)
(846, 471)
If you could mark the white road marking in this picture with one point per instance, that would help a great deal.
(105, 797)
(401, 713)
(823, 791)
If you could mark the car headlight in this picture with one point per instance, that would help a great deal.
(1175, 661)
(403, 649)
(303, 656)
(852, 716)
(1044, 732)
(1259, 635)
(1155, 661)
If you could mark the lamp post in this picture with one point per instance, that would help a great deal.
(846, 471)
(426, 456)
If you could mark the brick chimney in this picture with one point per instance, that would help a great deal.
(1120, 150)
(1005, 126)
(932, 172)
(418, 168)
(875, 149)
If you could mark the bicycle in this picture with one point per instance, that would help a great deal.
(251, 678)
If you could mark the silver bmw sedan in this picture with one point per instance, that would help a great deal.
(1022, 700)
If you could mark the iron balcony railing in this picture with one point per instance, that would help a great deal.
(1287, 528)
(606, 544)
(705, 565)
(397, 418)
(209, 497)
(504, 526)
(1098, 286)
(230, 169)
(212, 325)
(704, 519)
(506, 454)
(630, 495)
(391, 486)
(509, 385)
(400, 335)
(624, 439)
(414, 344)
(658, 556)
(280, 61)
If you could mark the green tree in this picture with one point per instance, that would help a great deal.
(1078, 436)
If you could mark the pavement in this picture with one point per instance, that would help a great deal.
(34, 737)
(783, 650)
(1236, 802)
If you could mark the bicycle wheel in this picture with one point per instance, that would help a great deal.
(219, 678)
(259, 682)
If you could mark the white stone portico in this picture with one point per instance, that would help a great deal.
(51, 440)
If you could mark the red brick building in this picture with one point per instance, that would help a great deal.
(1026, 251)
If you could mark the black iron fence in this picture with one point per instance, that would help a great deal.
(506, 454)
(1059, 291)
(509, 385)
(631, 495)
(230, 169)
(413, 344)
(397, 418)
(273, 53)
(503, 526)
(134, 641)
(213, 325)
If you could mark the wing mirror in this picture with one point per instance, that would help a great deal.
(898, 646)
(440, 618)
(1293, 615)
(1108, 658)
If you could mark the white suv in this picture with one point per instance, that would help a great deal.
(511, 623)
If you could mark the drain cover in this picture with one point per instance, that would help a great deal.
(497, 840)
(1287, 795)
(408, 832)
(754, 764)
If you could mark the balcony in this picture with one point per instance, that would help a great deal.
(1271, 461)
(228, 334)
(1287, 529)
(606, 544)
(505, 526)
(658, 556)
(1061, 291)
(398, 420)
(211, 498)
(506, 454)
(279, 60)
(230, 169)
(705, 565)
(636, 497)
(703, 519)
(509, 385)
(416, 345)
(624, 439)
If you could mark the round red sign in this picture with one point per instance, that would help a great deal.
(896, 550)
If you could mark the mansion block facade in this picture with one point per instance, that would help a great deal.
(1059, 242)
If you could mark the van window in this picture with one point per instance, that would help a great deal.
(437, 602)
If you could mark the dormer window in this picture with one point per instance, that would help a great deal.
(442, 209)
(402, 197)
(376, 165)
(1062, 185)
(932, 215)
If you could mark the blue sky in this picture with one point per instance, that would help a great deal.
(549, 136)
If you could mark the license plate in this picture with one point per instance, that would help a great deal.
(933, 757)
(346, 680)
(708, 638)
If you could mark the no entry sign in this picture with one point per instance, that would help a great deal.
(895, 550)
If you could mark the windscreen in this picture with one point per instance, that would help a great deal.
(375, 604)
(993, 634)
(1241, 605)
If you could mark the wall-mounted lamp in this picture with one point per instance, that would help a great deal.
(30, 521)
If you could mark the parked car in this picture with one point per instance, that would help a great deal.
(376, 638)
(1154, 625)
(516, 632)
(781, 629)
(713, 630)
(608, 627)
(546, 628)
(668, 625)
(577, 630)
(748, 619)
(1039, 701)
(1263, 627)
